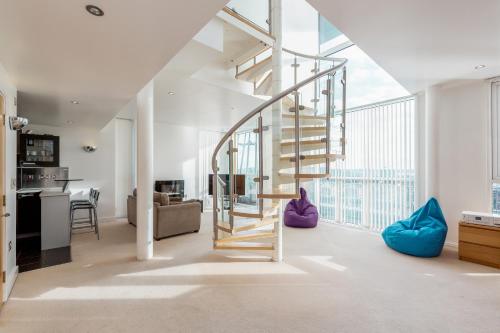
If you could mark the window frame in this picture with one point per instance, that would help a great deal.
(495, 130)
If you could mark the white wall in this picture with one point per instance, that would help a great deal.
(97, 168)
(462, 150)
(176, 155)
(8, 90)
(123, 164)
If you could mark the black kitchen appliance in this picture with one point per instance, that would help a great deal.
(28, 231)
(38, 150)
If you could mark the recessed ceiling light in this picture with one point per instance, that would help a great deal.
(171, 93)
(75, 102)
(94, 10)
(480, 67)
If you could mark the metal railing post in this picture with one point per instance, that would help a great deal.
(295, 65)
(215, 184)
(328, 121)
(297, 141)
(261, 163)
(316, 99)
(344, 89)
(231, 183)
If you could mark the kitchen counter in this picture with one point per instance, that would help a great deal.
(43, 227)
(55, 219)
(38, 190)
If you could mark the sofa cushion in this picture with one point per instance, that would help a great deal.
(157, 197)
(164, 199)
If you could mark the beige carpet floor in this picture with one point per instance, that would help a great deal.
(333, 279)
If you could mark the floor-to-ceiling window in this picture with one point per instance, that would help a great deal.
(375, 184)
(495, 126)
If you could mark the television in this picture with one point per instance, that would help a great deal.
(174, 188)
(239, 184)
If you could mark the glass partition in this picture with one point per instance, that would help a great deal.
(255, 11)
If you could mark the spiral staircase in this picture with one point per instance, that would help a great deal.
(309, 135)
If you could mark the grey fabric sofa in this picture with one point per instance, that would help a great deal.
(169, 219)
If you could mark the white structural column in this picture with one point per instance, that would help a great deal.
(145, 114)
(276, 31)
(431, 141)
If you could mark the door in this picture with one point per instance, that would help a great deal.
(2, 193)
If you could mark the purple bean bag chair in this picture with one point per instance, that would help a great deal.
(301, 213)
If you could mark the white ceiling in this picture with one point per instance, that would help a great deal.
(207, 95)
(421, 43)
(55, 52)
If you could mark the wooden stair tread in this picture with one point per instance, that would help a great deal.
(265, 83)
(278, 196)
(303, 129)
(310, 156)
(304, 175)
(224, 226)
(245, 237)
(261, 223)
(303, 116)
(267, 212)
(303, 142)
(245, 246)
(255, 70)
(247, 214)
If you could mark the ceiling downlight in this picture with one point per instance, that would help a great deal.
(94, 10)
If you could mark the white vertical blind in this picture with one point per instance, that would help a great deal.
(375, 185)
(495, 145)
(207, 142)
(495, 121)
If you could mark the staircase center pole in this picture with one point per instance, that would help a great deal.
(277, 31)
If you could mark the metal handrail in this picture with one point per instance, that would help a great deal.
(268, 103)
(296, 54)
(313, 57)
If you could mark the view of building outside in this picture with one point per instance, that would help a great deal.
(375, 184)
(496, 198)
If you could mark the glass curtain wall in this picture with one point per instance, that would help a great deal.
(375, 184)
(247, 164)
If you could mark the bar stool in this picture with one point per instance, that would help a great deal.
(84, 201)
(91, 206)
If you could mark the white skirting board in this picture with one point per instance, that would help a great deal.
(9, 283)
(451, 244)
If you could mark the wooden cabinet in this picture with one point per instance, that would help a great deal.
(479, 244)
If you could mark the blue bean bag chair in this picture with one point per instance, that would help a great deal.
(301, 213)
(421, 235)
